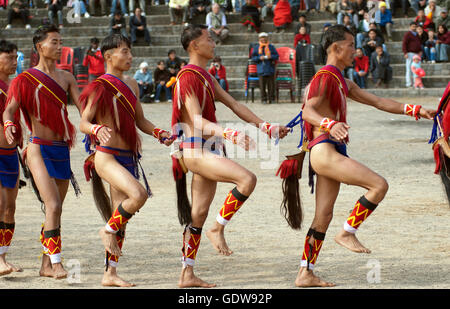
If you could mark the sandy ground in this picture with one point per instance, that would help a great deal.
(408, 233)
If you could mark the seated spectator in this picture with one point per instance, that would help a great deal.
(443, 19)
(265, 55)
(348, 23)
(92, 6)
(118, 25)
(442, 43)
(424, 21)
(225, 5)
(79, 8)
(418, 5)
(123, 8)
(94, 60)
(55, 8)
(429, 46)
(131, 4)
(237, 5)
(330, 6)
(380, 67)
(295, 8)
(143, 77)
(344, 8)
(267, 9)
(423, 37)
(250, 16)
(178, 7)
(302, 37)
(173, 63)
(217, 24)
(360, 8)
(199, 7)
(18, 9)
(219, 72)
(312, 5)
(360, 68)
(371, 42)
(162, 76)
(383, 18)
(282, 17)
(432, 11)
(302, 22)
(138, 27)
(362, 30)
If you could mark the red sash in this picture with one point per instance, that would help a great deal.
(41, 96)
(114, 97)
(194, 79)
(329, 83)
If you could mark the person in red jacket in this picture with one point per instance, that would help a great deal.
(219, 72)
(94, 60)
(302, 36)
(282, 17)
(361, 68)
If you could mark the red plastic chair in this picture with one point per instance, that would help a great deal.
(287, 54)
(66, 61)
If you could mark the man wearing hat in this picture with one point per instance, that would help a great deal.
(383, 18)
(443, 19)
(265, 55)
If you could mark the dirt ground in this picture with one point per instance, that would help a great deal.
(409, 233)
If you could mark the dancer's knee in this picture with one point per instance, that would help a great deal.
(379, 190)
(139, 196)
(247, 183)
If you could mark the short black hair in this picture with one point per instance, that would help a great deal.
(161, 62)
(95, 40)
(171, 51)
(7, 46)
(42, 31)
(113, 41)
(334, 34)
(412, 23)
(190, 33)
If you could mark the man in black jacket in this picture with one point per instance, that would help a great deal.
(380, 68)
(138, 27)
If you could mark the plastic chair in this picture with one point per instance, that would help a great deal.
(251, 75)
(284, 79)
(287, 55)
(66, 60)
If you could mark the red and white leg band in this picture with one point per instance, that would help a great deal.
(231, 205)
(52, 241)
(191, 245)
(117, 220)
(363, 208)
(268, 128)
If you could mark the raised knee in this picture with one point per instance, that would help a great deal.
(249, 183)
(381, 188)
(139, 196)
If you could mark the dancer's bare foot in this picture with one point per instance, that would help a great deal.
(349, 241)
(188, 279)
(306, 278)
(14, 268)
(217, 237)
(58, 271)
(110, 242)
(4, 267)
(110, 278)
(46, 267)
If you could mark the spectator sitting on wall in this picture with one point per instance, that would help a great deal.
(429, 47)
(143, 77)
(302, 37)
(443, 19)
(422, 20)
(442, 43)
(217, 24)
(162, 76)
(380, 67)
(360, 68)
(18, 9)
(138, 27)
(282, 17)
(383, 18)
(173, 63)
(371, 42)
(118, 25)
(250, 16)
(302, 22)
(198, 7)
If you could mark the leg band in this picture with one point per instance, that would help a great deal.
(311, 251)
(113, 260)
(231, 205)
(53, 244)
(191, 245)
(118, 219)
(8, 232)
(363, 208)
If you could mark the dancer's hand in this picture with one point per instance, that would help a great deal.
(9, 134)
(340, 131)
(103, 134)
(427, 113)
(245, 141)
(167, 139)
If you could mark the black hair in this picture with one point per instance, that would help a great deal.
(7, 46)
(161, 62)
(171, 51)
(190, 33)
(217, 59)
(113, 41)
(412, 23)
(334, 34)
(95, 40)
(42, 31)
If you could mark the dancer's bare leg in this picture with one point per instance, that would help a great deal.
(221, 169)
(7, 211)
(110, 277)
(53, 192)
(120, 179)
(328, 162)
(203, 191)
(327, 191)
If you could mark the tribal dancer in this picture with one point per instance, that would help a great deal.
(40, 93)
(111, 114)
(9, 161)
(439, 139)
(324, 115)
(194, 113)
